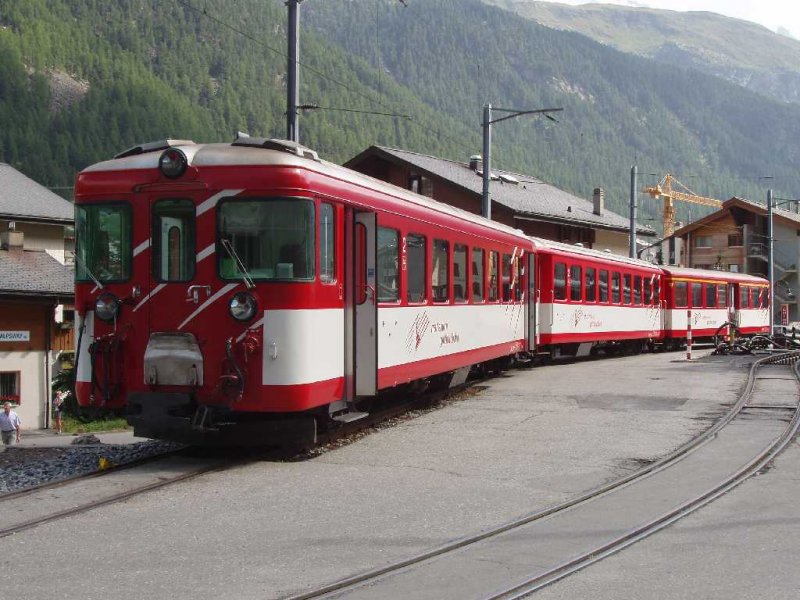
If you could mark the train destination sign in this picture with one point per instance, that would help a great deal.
(15, 336)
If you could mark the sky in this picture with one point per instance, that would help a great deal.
(769, 13)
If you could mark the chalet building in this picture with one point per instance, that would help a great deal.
(520, 201)
(36, 293)
(734, 238)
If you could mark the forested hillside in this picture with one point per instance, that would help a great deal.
(83, 79)
(742, 52)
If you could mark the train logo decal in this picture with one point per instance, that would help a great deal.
(417, 332)
(591, 320)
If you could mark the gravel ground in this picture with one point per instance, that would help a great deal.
(22, 467)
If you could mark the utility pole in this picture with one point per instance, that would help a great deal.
(770, 263)
(292, 74)
(486, 203)
(632, 245)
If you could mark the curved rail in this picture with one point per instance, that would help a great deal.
(663, 463)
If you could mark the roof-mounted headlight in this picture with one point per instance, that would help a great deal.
(243, 306)
(172, 163)
(106, 307)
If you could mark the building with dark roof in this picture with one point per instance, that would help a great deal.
(518, 200)
(36, 293)
(734, 238)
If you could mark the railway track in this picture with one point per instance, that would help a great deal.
(54, 500)
(497, 564)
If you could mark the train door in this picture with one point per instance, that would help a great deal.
(365, 305)
(533, 300)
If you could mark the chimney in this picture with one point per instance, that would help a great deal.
(599, 200)
(476, 162)
(12, 240)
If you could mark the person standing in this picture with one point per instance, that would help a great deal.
(10, 425)
(57, 402)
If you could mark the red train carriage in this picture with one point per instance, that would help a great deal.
(590, 300)
(246, 292)
(715, 298)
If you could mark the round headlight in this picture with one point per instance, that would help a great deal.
(172, 163)
(106, 307)
(242, 306)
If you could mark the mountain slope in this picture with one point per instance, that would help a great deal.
(739, 51)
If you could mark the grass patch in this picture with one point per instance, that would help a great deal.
(72, 425)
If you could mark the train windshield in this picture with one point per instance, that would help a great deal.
(274, 238)
(103, 242)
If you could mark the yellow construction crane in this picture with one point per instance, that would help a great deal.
(665, 191)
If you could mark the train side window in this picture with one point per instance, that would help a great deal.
(648, 291)
(590, 287)
(722, 295)
(460, 273)
(681, 296)
(711, 295)
(173, 240)
(603, 286)
(440, 274)
(516, 277)
(615, 285)
(765, 297)
(494, 259)
(575, 283)
(560, 281)
(744, 297)
(697, 295)
(506, 275)
(477, 274)
(626, 288)
(388, 261)
(415, 275)
(637, 290)
(656, 289)
(327, 246)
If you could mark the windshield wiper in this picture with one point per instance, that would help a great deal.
(88, 271)
(248, 281)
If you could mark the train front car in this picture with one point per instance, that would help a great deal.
(243, 293)
(176, 267)
(714, 299)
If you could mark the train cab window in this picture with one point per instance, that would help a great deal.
(722, 295)
(266, 239)
(637, 290)
(603, 286)
(744, 297)
(560, 281)
(615, 287)
(477, 274)
(590, 287)
(575, 283)
(327, 247)
(460, 273)
(387, 264)
(764, 298)
(681, 295)
(103, 242)
(415, 274)
(494, 259)
(173, 240)
(711, 295)
(656, 290)
(626, 289)
(506, 275)
(648, 291)
(440, 279)
(697, 295)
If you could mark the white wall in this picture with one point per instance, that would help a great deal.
(34, 394)
(613, 240)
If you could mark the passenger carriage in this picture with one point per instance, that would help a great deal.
(714, 298)
(590, 300)
(247, 292)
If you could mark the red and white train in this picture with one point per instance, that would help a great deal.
(248, 293)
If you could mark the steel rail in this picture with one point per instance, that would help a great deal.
(681, 452)
(641, 532)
